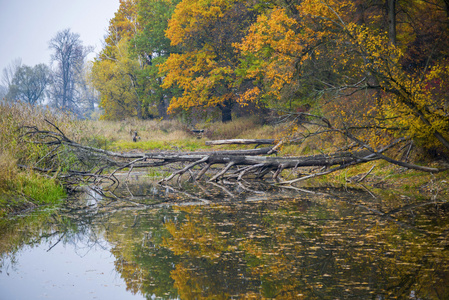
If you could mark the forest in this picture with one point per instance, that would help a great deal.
(291, 149)
(373, 69)
(369, 77)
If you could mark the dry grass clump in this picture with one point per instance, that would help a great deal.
(307, 143)
(8, 170)
(146, 129)
(238, 128)
(16, 115)
(170, 134)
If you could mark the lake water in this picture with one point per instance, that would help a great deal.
(231, 241)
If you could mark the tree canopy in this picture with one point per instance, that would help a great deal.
(373, 68)
(29, 84)
(126, 72)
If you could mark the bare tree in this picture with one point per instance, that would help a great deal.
(9, 72)
(88, 95)
(68, 55)
(29, 84)
(3, 92)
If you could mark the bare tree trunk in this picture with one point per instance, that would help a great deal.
(226, 111)
(237, 163)
(391, 11)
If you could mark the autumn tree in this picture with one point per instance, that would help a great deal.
(115, 79)
(204, 69)
(151, 47)
(124, 25)
(344, 51)
(115, 73)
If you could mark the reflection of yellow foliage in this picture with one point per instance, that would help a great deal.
(190, 285)
(298, 251)
(196, 240)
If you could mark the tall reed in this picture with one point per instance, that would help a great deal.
(16, 149)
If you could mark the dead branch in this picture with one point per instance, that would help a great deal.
(240, 142)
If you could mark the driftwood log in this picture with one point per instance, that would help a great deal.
(97, 165)
(241, 142)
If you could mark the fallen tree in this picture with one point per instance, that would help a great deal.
(96, 165)
(241, 142)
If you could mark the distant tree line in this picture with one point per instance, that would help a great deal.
(62, 85)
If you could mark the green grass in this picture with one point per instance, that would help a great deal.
(155, 145)
(29, 190)
(155, 173)
(40, 189)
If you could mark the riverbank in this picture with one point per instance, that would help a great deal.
(22, 189)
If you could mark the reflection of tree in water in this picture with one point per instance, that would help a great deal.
(142, 263)
(256, 242)
(277, 246)
(323, 248)
(69, 225)
(317, 247)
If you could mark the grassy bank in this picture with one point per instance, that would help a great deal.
(21, 188)
(172, 135)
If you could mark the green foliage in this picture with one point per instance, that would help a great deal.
(116, 81)
(29, 84)
(126, 73)
(184, 145)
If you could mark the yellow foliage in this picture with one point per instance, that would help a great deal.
(361, 57)
(189, 15)
(111, 77)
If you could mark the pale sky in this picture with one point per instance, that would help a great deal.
(26, 26)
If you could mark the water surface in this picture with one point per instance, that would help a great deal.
(230, 241)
